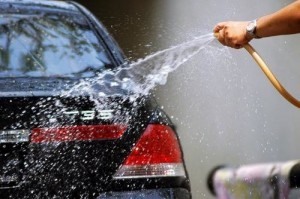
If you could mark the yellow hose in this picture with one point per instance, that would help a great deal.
(270, 75)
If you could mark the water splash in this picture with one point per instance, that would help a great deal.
(143, 75)
(154, 69)
(129, 82)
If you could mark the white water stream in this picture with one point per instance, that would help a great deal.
(143, 75)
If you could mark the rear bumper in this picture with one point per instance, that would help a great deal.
(160, 193)
(170, 193)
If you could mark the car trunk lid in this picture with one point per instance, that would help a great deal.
(57, 145)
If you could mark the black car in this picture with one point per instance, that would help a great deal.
(67, 130)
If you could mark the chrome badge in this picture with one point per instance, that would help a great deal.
(14, 136)
(91, 114)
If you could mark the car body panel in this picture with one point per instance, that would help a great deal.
(78, 168)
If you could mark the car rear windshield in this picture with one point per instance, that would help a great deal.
(40, 43)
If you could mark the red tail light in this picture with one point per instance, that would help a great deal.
(156, 154)
(72, 133)
(158, 144)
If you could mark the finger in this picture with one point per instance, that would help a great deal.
(221, 37)
(219, 27)
(227, 40)
(237, 46)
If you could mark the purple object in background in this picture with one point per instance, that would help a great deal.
(258, 181)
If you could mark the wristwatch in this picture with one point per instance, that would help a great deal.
(251, 29)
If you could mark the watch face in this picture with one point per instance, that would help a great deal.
(250, 27)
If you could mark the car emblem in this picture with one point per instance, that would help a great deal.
(91, 114)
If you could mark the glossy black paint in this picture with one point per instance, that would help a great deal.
(78, 169)
(171, 193)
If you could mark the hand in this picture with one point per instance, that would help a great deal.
(232, 34)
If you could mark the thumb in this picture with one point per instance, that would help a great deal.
(219, 27)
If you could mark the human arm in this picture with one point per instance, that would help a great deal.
(283, 22)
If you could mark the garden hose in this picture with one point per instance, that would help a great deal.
(269, 75)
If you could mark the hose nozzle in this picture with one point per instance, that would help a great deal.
(216, 34)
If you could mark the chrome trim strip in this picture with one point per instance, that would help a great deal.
(14, 136)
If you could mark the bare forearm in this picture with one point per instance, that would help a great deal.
(282, 22)
(238, 33)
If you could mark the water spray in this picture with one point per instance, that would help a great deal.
(261, 63)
